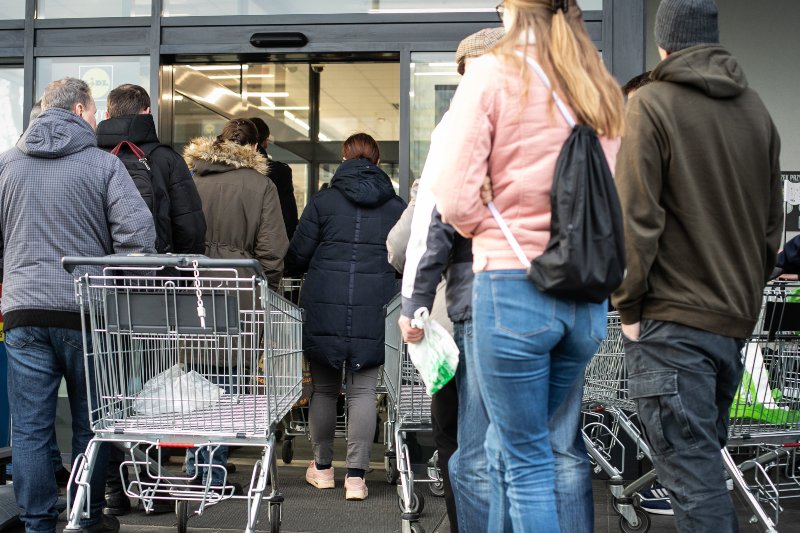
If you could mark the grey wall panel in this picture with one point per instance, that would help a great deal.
(12, 38)
(98, 38)
(325, 37)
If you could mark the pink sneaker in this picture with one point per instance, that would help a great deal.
(322, 479)
(355, 488)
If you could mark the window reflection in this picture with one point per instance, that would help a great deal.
(11, 91)
(187, 8)
(54, 9)
(101, 73)
(12, 9)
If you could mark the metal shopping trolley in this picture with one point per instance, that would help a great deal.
(408, 411)
(764, 419)
(764, 430)
(208, 359)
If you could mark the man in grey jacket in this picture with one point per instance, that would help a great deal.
(59, 195)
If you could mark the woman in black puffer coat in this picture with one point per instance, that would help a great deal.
(340, 244)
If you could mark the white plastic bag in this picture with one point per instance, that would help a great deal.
(176, 391)
(436, 355)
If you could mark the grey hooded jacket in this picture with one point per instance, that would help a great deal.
(61, 195)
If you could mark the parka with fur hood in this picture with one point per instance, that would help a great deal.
(243, 214)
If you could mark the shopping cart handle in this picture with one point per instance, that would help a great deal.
(160, 260)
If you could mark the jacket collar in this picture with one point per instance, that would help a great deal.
(227, 154)
(138, 129)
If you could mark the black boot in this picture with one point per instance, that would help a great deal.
(117, 502)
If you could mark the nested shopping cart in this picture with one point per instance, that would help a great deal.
(764, 418)
(764, 431)
(185, 352)
(408, 411)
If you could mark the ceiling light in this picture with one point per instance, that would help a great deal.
(267, 95)
(284, 108)
(214, 67)
(440, 73)
(443, 65)
(380, 11)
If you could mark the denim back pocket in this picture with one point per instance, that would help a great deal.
(19, 337)
(664, 420)
(519, 307)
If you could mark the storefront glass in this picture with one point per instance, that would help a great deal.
(12, 9)
(56, 9)
(11, 91)
(189, 8)
(434, 80)
(101, 73)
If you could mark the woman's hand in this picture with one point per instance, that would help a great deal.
(487, 195)
(410, 333)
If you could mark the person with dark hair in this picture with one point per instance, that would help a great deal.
(340, 244)
(180, 224)
(699, 177)
(281, 176)
(244, 222)
(636, 83)
(177, 212)
(60, 196)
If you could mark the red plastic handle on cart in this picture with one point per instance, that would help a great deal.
(184, 445)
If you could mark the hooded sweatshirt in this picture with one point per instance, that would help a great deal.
(699, 180)
(340, 243)
(61, 195)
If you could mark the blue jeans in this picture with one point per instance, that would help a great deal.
(683, 381)
(37, 359)
(468, 467)
(225, 379)
(532, 348)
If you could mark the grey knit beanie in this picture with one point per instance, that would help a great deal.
(684, 23)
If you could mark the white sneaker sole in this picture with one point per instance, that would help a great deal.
(665, 512)
(320, 484)
(355, 494)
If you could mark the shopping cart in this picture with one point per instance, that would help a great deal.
(607, 410)
(765, 413)
(204, 360)
(408, 411)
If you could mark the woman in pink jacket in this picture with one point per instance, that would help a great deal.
(533, 347)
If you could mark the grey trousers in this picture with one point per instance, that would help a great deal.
(361, 413)
(683, 381)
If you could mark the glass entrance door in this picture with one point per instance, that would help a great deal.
(310, 107)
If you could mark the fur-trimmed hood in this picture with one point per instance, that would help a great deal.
(205, 157)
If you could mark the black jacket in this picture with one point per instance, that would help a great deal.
(281, 176)
(341, 244)
(187, 223)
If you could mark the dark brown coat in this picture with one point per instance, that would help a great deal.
(240, 204)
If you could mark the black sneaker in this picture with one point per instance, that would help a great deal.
(117, 504)
(108, 524)
(62, 477)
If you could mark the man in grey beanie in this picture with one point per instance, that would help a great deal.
(698, 177)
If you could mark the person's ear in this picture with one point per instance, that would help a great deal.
(146, 111)
(107, 115)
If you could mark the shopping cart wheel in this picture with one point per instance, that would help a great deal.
(643, 523)
(287, 450)
(392, 474)
(275, 517)
(417, 503)
(437, 488)
(182, 510)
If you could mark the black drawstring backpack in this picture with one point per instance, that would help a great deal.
(585, 257)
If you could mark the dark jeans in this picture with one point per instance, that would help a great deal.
(37, 360)
(444, 418)
(683, 381)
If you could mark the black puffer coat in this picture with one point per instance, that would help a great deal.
(341, 244)
(186, 226)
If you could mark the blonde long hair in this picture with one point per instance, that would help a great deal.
(569, 58)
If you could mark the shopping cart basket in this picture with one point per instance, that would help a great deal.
(408, 411)
(208, 359)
